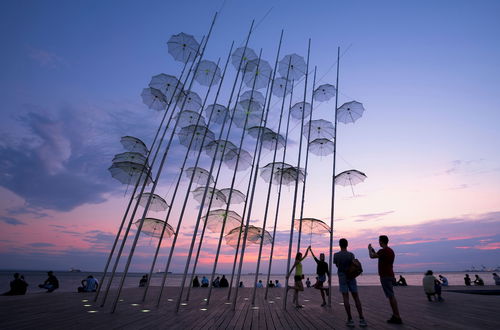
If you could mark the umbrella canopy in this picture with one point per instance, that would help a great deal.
(216, 218)
(260, 73)
(128, 172)
(350, 178)
(254, 236)
(321, 147)
(192, 101)
(255, 131)
(231, 157)
(183, 47)
(320, 129)
(253, 96)
(293, 65)
(169, 85)
(237, 196)
(188, 117)
(324, 93)
(350, 112)
(240, 58)
(200, 176)
(217, 197)
(219, 148)
(271, 140)
(282, 87)
(196, 135)
(157, 203)
(208, 73)
(291, 174)
(154, 99)
(312, 226)
(133, 157)
(276, 172)
(134, 144)
(300, 109)
(247, 111)
(153, 227)
(217, 113)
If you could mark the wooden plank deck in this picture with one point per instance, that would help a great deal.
(61, 310)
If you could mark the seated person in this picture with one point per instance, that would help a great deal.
(259, 284)
(496, 278)
(467, 280)
(223, 282)
(308, 282)
(478, 281)
(17, 287)
(51, 283)
(444, 280)
(278, 284)
(402, 281)
(216, 283)
(270, 284)
(90, 284)
(143, 281)
(432, 286)
(204, 282)
(196, 282)
(241, 284)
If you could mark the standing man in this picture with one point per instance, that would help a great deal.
(385, 262)
(343, 259)
(322, 272)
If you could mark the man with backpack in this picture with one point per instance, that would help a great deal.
(348, 268)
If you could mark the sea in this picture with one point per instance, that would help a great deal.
(70, 281)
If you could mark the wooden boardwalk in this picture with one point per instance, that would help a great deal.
(60, 310)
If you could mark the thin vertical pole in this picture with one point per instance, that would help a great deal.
(332, 211)
(306, 166)
(296, 182)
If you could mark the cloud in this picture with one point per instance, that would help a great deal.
(11, 221)
(41, 245)
(46, 58)
(372, 216)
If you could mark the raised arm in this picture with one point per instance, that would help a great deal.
(307, 251)
(371, 252)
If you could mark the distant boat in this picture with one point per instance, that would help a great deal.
(253, 273)
(162, 272)
(74, 270)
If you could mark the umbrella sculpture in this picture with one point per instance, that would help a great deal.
(350, 112)
(237, 197)
(254, 236)
(190, 101)
(271, 140)
(313, 226)
(188, 117)
(218, 198)
(169, 85)
(350, 178)
(128, 172)
(282, 87)
(324, 93)
(253, 95)
(260, 75)
(320, 129)
(208, 73)
(293, 65)
(200, 176)
(249, 111)
(219, 148)
(134, 144)
(321, 147)
(153, 227)
(196, 135)
(157, 204)
(218, 113)
(299, 108)
(231, 159)
(183, 47)
(133, 157)
(241, 57)
(154, 99)
(217, 217)
(273, 172)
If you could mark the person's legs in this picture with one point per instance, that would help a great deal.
(322, 291)
(394, 306)
(357, 301)
(347, 306)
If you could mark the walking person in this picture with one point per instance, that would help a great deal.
(343, 260)
(385, 258)
(322, 272)
(298, 286)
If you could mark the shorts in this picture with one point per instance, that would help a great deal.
(298, 283)
(388, 286)
(322, 278)
(346, 285)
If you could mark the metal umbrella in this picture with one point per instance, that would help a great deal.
(260, 75)
(314, 226)
(183, 47)
(200, 175)
(349, 112)
(153, 227)
(282, 87)
(193, 101)
(272, 140)
(350, 178)
(256, 131)
(320, 129)
(134, 144)
(253, 95)
(188, 117)
(201, 134)
(133, 157)
(215, 219)
(157, 204)
(127, 172)
(300, 110)
(217, 113)
(240, 58)
(292, 65)
(219, 199)
(169, 85)
(208, 73)
(217, 149)
(154, 99)
(272, 171)
(237, 196)
(231, 159)
(254, 235)
(324, 92)
(249, 112)
(321, 147)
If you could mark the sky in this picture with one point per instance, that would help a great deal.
(426, 72)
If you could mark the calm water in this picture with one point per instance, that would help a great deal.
(69, 281)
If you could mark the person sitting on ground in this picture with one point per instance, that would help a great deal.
(51, 283)
(478, 281)
(432, 286)
(496, 278)
(402, 281)
(17, 287)
(216, 283)
(143, 281)
(278, 284)
(204, 282)
(343, 260)
(196, 282)
(298, 286)
(241, 284)
(270, 284)
(259, 284)
(322, 272)
(223, 282)
(467, 280)
(444, 280)
(89, 284)
(308, 282)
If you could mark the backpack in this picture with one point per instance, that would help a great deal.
(355, 269)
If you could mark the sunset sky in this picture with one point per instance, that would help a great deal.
(427, 72)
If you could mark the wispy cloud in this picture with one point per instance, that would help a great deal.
(11, 221)
(45, 58)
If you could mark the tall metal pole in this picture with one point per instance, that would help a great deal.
(296, 181)
(332, 210)
(307, 162)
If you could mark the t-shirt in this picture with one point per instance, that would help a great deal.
(428, 284)
(321, 267)
(343, 260)
(298, 269)
(385, 261)
(91, 284)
